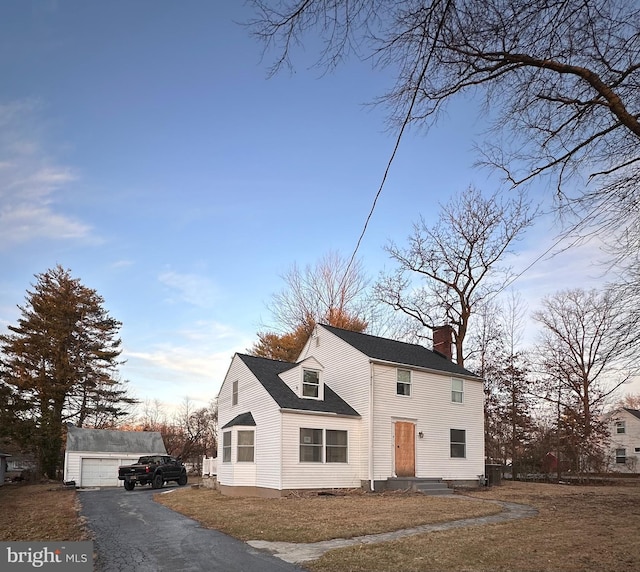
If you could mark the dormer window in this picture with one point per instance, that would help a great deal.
(311, 383)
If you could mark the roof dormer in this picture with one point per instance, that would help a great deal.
(306, 379)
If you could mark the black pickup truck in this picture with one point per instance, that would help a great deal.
(153, 469)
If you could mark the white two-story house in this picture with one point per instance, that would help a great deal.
(354, 411)
(624, 430)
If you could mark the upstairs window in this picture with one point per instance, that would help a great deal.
(234, 393)
(403, 383)
(226, 447)
(457, 390)
(246, 440)
(310, 383)
(620, 428)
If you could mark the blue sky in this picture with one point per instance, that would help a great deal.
(143, 147)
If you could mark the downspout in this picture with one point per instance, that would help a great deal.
(371, 480)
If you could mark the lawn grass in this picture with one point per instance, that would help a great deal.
(578, 528)
(591, 528)
(39, 513)
(315, 518)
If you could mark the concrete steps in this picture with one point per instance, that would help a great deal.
(425, 486)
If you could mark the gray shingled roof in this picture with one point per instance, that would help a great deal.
(107, 441)
(398, 352)
(633, 412)
(242, 419)
(266, 372)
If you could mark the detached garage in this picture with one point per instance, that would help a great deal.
(92, 456)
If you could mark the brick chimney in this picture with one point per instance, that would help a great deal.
(442, 340)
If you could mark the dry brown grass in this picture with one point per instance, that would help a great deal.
(577, 529)
(310, 519)
(39, 513)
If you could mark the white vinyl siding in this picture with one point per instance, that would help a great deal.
(624, 430)
(265, 470)
(347, 371)
(306, 475)
(434, 414)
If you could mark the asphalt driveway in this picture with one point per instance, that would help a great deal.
(133, 533)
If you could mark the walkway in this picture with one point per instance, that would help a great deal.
(298, 553)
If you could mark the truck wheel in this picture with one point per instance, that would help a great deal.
(129, 485)
(182, 481)
(157, 482)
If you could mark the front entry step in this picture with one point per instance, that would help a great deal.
(424, 486)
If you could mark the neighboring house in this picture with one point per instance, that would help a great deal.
(19, 463)
(354, 411)
(92, 456)
(3, 467)
(624, 429)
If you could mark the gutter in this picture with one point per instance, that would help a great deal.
(469, 376)
(371, 480)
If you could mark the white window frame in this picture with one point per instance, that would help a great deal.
(323, 446)
(403, 382)
(621, 428)
(453, 443)
(234, 393)
(306, 441)
(334, 447)
(317, 386)
(245, 448)
(621, 459)
(455, 392)
(226, 447)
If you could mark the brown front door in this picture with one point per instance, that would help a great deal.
(405, 449)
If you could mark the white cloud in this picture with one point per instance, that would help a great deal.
(31, 182)
(193, 364)
(191, 288)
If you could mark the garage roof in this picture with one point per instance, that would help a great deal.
(108, 441)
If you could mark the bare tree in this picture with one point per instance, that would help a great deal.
(586, 350)
(560, 79)
(456, 262)
(630, 401)
(332, 292)
(501, 362)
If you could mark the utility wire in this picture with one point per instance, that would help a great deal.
(405, 123)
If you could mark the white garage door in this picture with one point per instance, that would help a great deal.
(102, 472)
